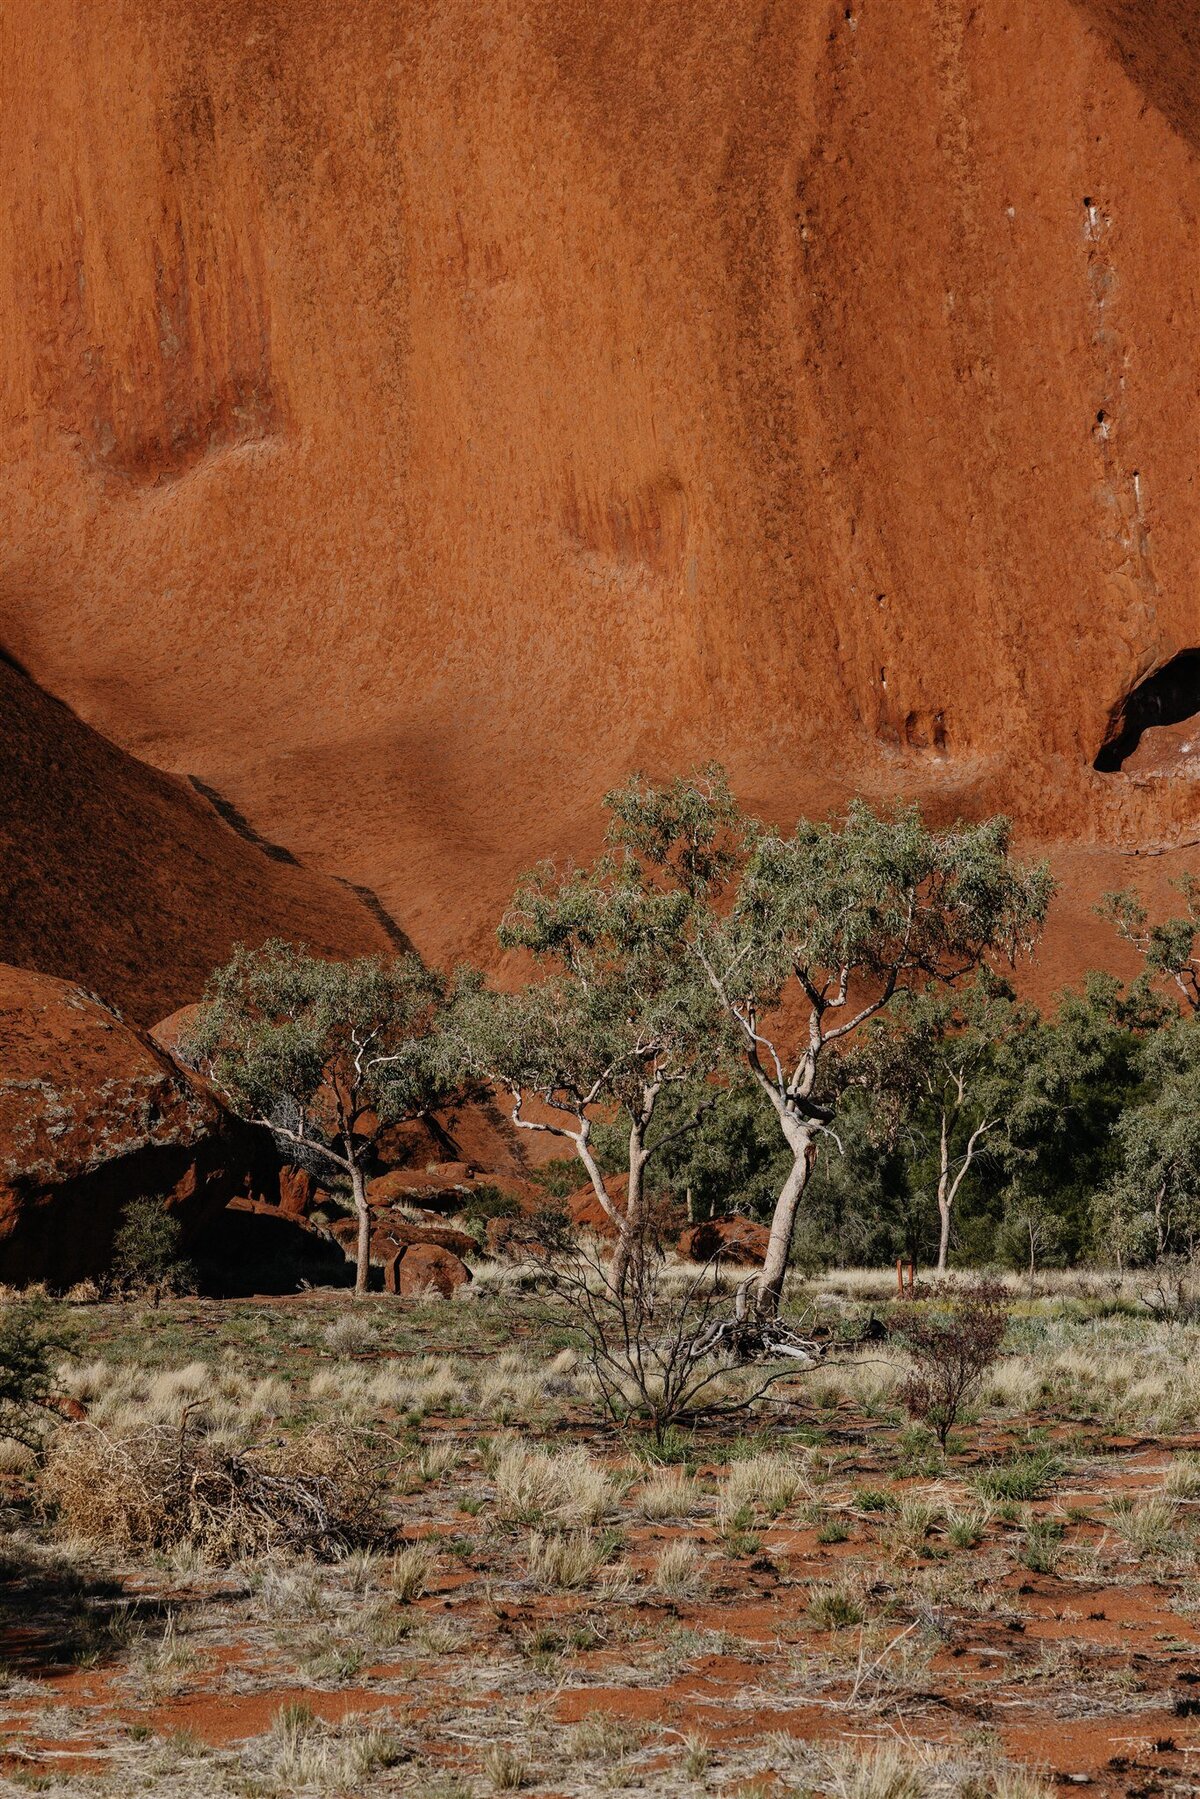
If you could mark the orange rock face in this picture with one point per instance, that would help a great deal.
(427, 1269)
(414, 416)
(725, 1240)
(92, 1115)
(126, 879)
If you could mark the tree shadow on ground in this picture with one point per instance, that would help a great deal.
(56, 1616)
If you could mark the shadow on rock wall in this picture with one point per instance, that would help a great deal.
(1158, 44)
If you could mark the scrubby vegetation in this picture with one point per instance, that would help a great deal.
(617, 1519)
(281, 1555)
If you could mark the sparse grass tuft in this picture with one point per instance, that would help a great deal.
(1148, 1525)
(834, 1607)
(408, 1572)
(565, 1562)
(1023, 1478)
(566, 1491)
(768, 1483)
(678, 1571)
(669, 1496)
(506, 1768)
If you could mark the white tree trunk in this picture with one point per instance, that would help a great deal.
(358, 1187)
(801, 1140)
(631, 1228)
(944, 1200)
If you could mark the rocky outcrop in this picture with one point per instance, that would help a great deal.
(390, 1234)
(585, 1212)
(93, 1115)
(733, 1239)
(127, 880)
(427, 1269)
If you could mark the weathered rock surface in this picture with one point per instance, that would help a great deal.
(126, 879)
(734, 1239)
(390, 1233)
(452, 406)
(427, 1269)
(92, 1115)
(586, 1213)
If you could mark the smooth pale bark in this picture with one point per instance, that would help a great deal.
(948, 1189)
(631, 1228)
(630, 1222)
(801, 1139)
(358, 1187)
(945, 1201)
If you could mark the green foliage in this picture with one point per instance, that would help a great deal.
(883, 899)
(1168, 948)
(30, 1345)
(1025, 1477)
(560, 1177)
(486, 1201)
(617, 1017)
(325, 1053)
(147, 1251)
(802, 938)
(1081, 1069)
(734, 1157)
(1151, 1208)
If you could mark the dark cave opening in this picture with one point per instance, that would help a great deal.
(1168, 696)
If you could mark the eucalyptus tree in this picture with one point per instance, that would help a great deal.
(1152, 1207)
(1168, 949)
(803, 937)
(936, 1067)
(614, 1018)
(327, 1055)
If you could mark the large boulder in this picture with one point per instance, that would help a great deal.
(93, 1115)
(586, 1213)
(730, 1239)
(390, 1233)
(425, 1268)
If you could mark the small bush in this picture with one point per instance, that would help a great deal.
(1023, 1478)
(147, 1252)
(486, 1201)
(29, 1345)
(953, 1339)
(162, 1488)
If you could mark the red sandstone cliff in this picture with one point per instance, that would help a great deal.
(128, 880)
(415, 415)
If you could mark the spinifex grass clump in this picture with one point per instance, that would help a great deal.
(953, 1339)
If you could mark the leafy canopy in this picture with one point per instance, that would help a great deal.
(616, 1006)
(310, 1046)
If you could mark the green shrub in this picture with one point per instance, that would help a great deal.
(146, 1252)
(1024, 1477)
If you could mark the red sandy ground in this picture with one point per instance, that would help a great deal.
(980, 1680)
